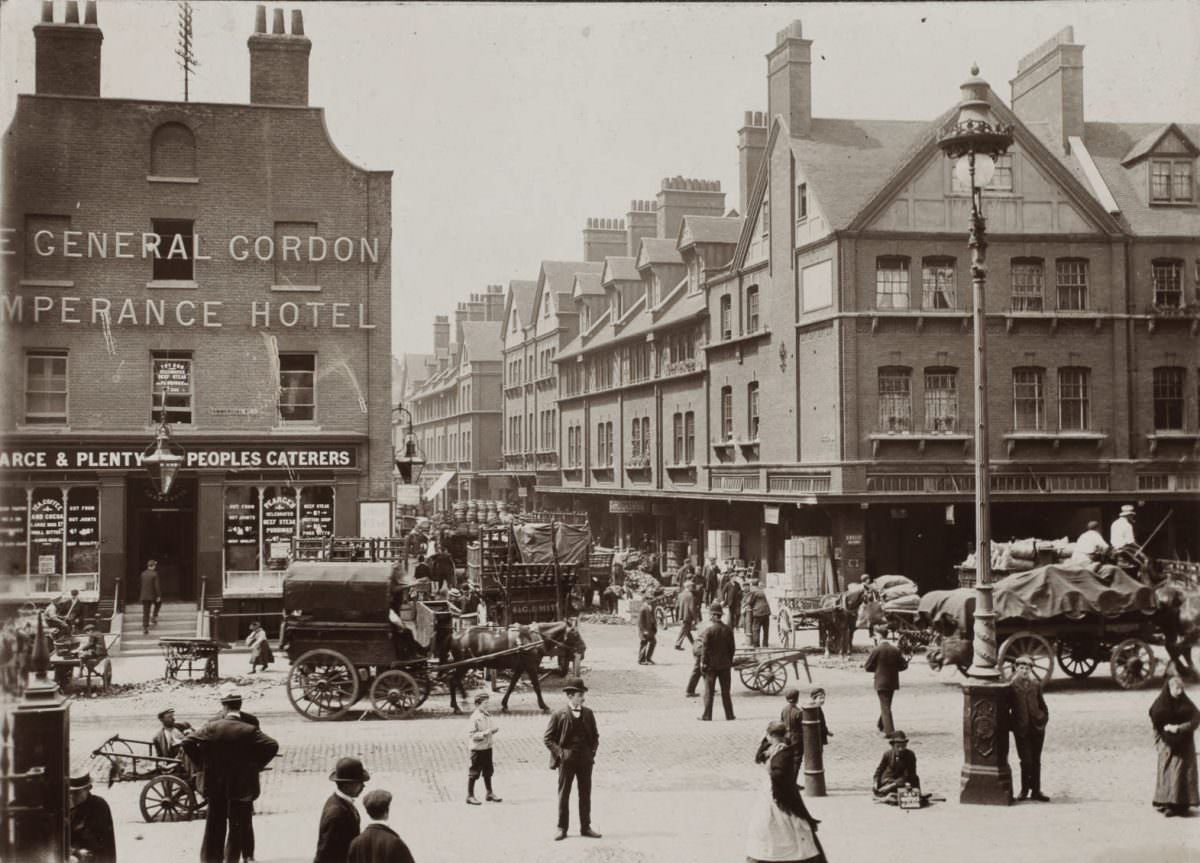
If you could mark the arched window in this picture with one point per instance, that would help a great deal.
(173, 151)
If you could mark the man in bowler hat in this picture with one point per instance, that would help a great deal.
(572, 739)
(886, 661)
(339, 819)
(90, 822)
(229, 754)
(716, 660)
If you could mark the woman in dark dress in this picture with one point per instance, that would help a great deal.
(781, 829)
(1175, 719)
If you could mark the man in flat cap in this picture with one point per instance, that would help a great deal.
(572, 739)
(716, 661)
(378, 843)
(229, 753)
(90, 822)
(168, 740)
(339, 819)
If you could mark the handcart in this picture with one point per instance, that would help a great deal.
(765, 669)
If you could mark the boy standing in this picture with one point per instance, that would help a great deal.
(483, 728)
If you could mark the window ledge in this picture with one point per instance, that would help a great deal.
(1055, 316)
(1172, 436)
(299, 427)
(47, 283)
(151, 178)
(920, 438)
(297, 289)
(173, 284)
(43, 427)
(1054, 438)
(736, 340)
(919, 315)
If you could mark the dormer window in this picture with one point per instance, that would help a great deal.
(1171, 181)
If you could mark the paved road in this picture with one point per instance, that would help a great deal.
(671, 788)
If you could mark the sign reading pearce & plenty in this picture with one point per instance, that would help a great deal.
(124, 456)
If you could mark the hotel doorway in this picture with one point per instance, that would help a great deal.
(163, 528)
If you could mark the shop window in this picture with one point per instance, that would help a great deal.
(175, 250)
(261, 525)
(172, 374)
(46, 388)
(297, 387)
(47, 524)
(14, 531)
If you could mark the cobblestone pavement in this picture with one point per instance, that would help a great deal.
(667, 786)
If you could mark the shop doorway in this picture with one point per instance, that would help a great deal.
(163, 528)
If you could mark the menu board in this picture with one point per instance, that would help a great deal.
(46, 528)
(278, 521)
(241, 518)
(316, 511)
(13, 512)
(83, 521)
(174, 375)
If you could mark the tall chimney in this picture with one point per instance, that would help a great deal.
(789, 80)
(1049, 87)
(643, 222)
(752, 145)
(603, 238)
(441, 334)
(494, 303)
(278, 60)
(681, 196)
(68, 54)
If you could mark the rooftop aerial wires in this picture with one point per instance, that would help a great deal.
(187, 59)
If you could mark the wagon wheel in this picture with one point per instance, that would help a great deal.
(1077, 659)
(322, 684)
(395, 694)
(660, 617)
(1132, 663)
(785, 627)
(167, 798)
(1028, 644)
(771, 677)
(749, 673)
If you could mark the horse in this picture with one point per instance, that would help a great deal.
(838, 620)
(563, 642)
(1178, 617)
(478, 642)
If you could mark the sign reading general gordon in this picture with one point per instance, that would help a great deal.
(197, 456)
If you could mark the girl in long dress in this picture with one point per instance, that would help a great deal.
(781, 828)
(260, 648)
(1175, 719)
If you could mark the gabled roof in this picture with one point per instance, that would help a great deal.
(709, 229)
(656, 251)
(1151, 139)
(619, 269)
(587, 285)
(480, 341)
(520, 295)
(559, 277)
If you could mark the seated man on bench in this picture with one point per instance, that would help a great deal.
(897, 770)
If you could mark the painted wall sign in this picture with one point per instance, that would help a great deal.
(125, 457)
(628, 507)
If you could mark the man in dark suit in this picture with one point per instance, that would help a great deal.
(229, 755)
(759, 609)
(712, 580)
(685, 610)
(793, 718)
(73, 613)
(378, 843)
(897, 768)
(339, 819)
(887, 662)
(647, 631)
(90, 822)
(1029, 718)
(716, 660)
(150, 593)
(572, 738)
(231, 706)
(441, 567)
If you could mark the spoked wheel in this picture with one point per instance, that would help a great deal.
(771, 677)
(1028, 644)
(167, 798)
(1132, 663)
(785, 627)
(660, 617)
(322, 684)
(749, 673)
(1076, 659)
(395, 694)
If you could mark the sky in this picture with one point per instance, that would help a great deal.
(507, 126)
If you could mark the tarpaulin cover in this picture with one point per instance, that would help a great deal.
(948, 609)
(340, 591)
(1050, 591)
(546, 542)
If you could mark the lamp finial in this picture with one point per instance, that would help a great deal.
(975, 69)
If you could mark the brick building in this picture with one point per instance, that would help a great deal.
(225, 257)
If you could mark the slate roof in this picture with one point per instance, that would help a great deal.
(620, 269)
(710, 229)
(688, 306)
(656, 251)
(521, 295)
(560, 275)
(481, 341)
(587, 285)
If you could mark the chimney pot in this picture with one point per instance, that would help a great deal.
(47, 11)
(297, 22)
(277, 22)
(72, 11)
(260, 19)
(89, 15)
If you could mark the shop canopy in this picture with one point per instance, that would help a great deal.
(440, 483)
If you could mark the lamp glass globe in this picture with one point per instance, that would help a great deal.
(985, 169)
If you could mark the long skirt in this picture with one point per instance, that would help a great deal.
(779, 837)
(1177, 781)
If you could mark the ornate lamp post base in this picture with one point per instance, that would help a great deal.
(986, 777)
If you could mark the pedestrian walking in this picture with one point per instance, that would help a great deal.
(572, 738)
(731, 596)
(760, 615)
(260, 647)
(685, 610)
(780, 826)
(1029, 717)
(647, 631)
(1175, 719)
(228, 754)
(887, 662)
(792, 718)
(378, 843)
(90, 823)
(339, 822)
(712, 581)
(150, 595)
(483, 729)
(716, 662)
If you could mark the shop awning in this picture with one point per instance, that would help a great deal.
(440, 483)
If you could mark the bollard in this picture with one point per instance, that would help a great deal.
(814, 761)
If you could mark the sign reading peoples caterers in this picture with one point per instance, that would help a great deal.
(14, 456)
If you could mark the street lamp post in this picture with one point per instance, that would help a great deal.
(974, 142)
(408, 459)
(164, 457)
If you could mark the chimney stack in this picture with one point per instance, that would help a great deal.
(1049, 87)
(603, 238)
(493, 302)
(278, 60)
(789, 80)
(682, 196)
(441, 335)
(643, 222)
(68, 54)
(752, 145)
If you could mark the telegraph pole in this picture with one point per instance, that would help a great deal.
(183, 50)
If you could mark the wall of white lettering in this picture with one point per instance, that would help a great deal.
(101, 311)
